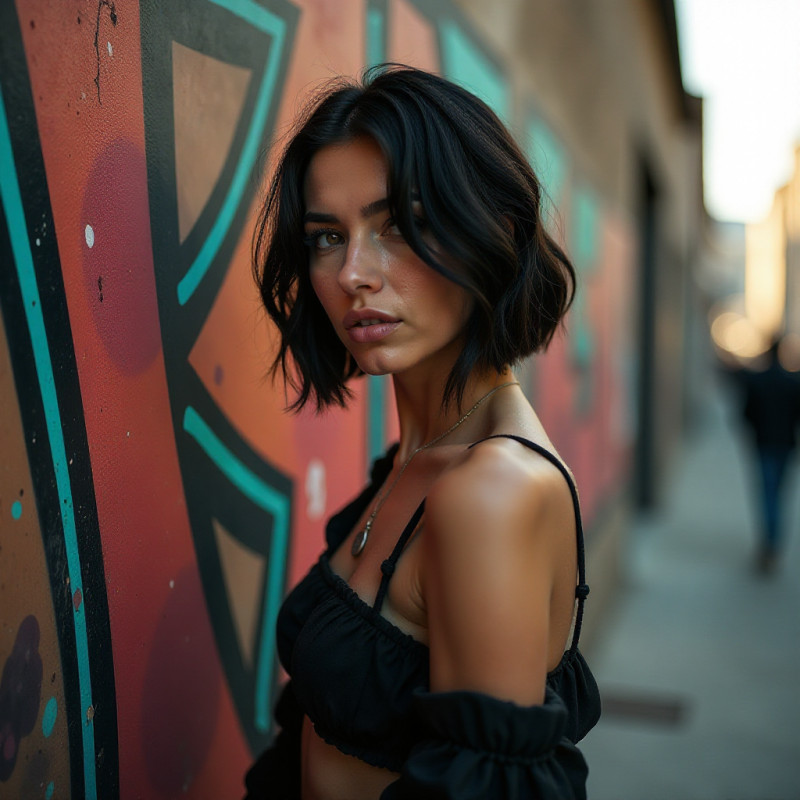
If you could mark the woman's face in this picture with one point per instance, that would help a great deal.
(392, 311)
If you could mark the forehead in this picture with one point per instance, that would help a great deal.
(346, 172)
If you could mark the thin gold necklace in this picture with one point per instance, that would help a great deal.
(360, 542)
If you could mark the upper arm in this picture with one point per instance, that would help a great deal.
(493, 552)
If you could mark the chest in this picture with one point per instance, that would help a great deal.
(403, 604)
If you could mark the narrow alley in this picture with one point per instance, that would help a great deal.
(699, 664)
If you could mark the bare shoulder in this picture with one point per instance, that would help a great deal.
(500, 489)
(499, 549)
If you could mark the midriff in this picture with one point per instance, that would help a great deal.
(330, 774)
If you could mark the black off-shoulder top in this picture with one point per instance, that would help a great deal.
(364, 684)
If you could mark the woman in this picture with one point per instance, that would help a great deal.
(429, 649)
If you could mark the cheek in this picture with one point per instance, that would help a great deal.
(459, 305)
(454, 301)
(316, 283)
(321, 284)
(332, 299)
(322, 292)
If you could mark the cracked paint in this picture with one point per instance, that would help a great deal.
(112, 13)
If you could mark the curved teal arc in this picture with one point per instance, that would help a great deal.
(276, 504)
(269, 23)
(23, 260)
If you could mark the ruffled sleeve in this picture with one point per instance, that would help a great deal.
(276, 773)
(477, 747)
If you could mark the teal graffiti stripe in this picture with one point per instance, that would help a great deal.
(375, 52)
(264, 20)
(49, 717)
(548, 158)
(277, 504)
(23, 259)
(585, 247)
(585, 228)
(467, 65)
(376, 405)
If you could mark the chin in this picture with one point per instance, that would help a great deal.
(374, 364)
(374, 369)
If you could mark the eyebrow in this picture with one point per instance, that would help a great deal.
(369, 210)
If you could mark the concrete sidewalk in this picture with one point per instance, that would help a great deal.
(700, 663)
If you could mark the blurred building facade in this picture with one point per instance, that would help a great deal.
(765, 270)
(772, 291)
(155, 501)
(757, 297)
(791, 195)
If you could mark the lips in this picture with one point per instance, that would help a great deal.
(368, 325)
(365, 317)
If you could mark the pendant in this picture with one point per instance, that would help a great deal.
(359, 542)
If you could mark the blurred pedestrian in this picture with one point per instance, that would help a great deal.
(771, 413)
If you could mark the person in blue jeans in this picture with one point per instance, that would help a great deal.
(772, 413)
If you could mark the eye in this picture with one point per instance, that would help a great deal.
(323, 239)
(391, 228)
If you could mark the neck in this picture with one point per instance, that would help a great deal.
(423, 416)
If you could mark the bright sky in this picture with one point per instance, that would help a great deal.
(743, 57)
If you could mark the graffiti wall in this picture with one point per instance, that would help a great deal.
(155, 501)
(583, 385)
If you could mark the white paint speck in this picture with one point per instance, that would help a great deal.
(89, 232)
(128, 434)
(316, 494)
(172, 584)
(38, 242)
(110, 49)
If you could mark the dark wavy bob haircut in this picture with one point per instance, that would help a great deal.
(482, 204)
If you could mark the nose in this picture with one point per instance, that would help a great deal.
(362, 268)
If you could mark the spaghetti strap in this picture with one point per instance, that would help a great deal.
(582, 589)
(387, 567)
